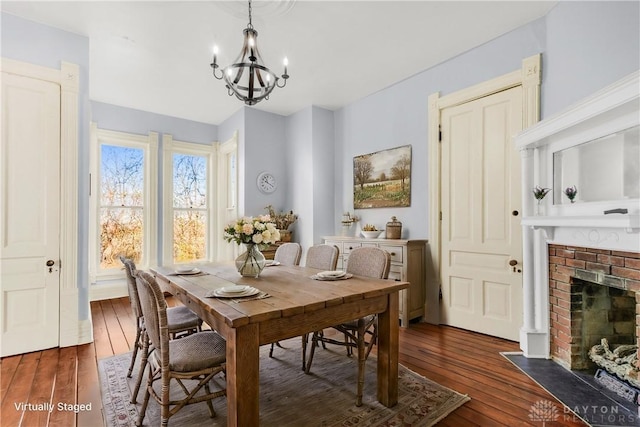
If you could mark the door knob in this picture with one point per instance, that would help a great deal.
(513, 262)
(50, 263)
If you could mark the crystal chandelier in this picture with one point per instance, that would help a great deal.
(247, 77)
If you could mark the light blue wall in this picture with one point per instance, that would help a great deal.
(589, 46)
(299, 156)
(264, 150)
(310, 162)
(113, 117)
(34, 43)
(323, 134)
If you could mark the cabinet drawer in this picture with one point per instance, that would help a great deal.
(369, 245)
(395, 251)
(395, 272)
(348, 246)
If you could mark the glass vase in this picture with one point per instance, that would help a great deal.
(539, 208)
(252, 262)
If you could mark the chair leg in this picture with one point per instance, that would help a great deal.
(143, 363)
(314, 343)
(305, 338)
(346, 344)
(273, 344)
(361, 364)
(145, 402)
(212, 411)
(135, 350)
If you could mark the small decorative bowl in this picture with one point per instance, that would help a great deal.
(371, 234)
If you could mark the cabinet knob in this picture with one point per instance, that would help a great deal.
(393, 254)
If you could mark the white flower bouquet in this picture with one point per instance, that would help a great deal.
(258, 230)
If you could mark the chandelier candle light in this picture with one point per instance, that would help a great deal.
(247, 77)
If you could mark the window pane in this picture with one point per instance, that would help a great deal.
(189, 235)
(121, 233)
(189, 181)
(121, 176)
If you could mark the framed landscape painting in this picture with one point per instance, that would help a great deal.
(382, 179)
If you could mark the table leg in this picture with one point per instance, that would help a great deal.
(388, 331)
(243, 376)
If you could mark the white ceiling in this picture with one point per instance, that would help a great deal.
(154, 55)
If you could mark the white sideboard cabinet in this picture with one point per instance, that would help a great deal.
(407, 264)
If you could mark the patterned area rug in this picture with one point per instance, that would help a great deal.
(289, 397)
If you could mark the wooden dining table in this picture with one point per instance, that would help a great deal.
(296, 304)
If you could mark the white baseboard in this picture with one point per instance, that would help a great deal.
(108, 290)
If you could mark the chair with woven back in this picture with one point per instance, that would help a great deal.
(286, 254)
(368, 262)
(199, 356)
(181, 321)
(322, 257)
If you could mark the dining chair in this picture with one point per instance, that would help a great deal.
(181, 321)
(368, 262)
(322, 257)
(288, 254)
(199, 356)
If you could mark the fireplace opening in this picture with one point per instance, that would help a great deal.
(602, 316)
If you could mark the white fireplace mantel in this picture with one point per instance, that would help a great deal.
(617, 231)
(583, 224)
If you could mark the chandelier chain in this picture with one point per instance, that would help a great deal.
(250, 25)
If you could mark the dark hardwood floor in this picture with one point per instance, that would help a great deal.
(467, 362)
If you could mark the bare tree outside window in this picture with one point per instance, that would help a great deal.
(190, 215)
(121, 204)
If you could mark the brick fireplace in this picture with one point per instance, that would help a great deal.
(578, 274)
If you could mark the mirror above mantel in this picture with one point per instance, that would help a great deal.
(605, 169)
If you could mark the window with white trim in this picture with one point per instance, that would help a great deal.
(189, 214)
(123, 218)
(227, 194)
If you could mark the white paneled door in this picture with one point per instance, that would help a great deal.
(30, 208)
(481, 233)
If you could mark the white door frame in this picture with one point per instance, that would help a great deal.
(72, 330)
(529, 77)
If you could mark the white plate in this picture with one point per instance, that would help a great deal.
(329, 278)
(192, 271)
(271, 263)
(331, 274)
(184, 269)
(234, 289)
(247, 293)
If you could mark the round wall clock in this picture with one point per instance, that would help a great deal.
(267, 182)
